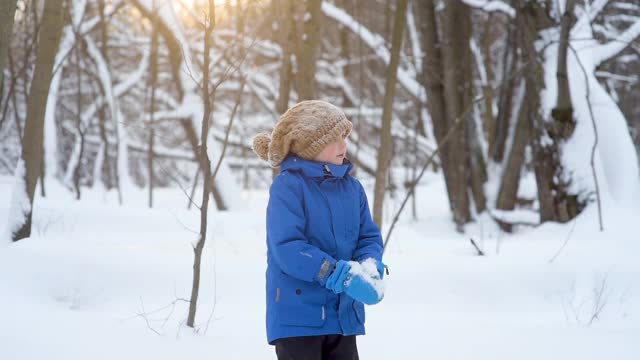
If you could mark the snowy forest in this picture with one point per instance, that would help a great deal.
(498, 142)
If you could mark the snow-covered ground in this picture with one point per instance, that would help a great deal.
(79, 288)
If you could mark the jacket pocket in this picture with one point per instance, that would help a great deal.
(301, 303)
(358, 308)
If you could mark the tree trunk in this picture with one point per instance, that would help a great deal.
(477, 163)
(457, 32)
(388, 15)
(307, 48)
(192, 137)
(489, 121)
(102, 115)
(79, 130)
(563, 112)
(345, 53)
(7, 13)
(509, 62)
(205, 165)
(508, 192)
(153, 75)
(49, 37)
(477, 167)
(287, 39)
(556, 204)
(432, 81)
(384, 153)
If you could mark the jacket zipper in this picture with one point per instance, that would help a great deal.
(333, 225)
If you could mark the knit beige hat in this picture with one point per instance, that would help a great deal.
(305, 129)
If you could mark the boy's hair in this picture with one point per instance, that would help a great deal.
(305, 130)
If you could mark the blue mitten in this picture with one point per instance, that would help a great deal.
(335, 281)
(361, 288)
(365, 282)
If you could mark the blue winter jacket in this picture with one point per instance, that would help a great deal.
(317, 214)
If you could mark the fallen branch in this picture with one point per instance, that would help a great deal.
(480, 252)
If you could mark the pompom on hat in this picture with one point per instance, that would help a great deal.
(305, 130)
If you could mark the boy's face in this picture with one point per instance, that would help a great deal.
(333, 153)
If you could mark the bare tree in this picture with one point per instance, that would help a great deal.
(384, 152)
(456, 35)
(31, 155)
(556, 203)
(433, 82)
(153, 83)
(448, 82)
(205, 163)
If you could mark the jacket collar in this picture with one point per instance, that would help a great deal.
(314, 168)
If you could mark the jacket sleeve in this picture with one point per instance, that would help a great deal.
(285, 233)
(369, 238)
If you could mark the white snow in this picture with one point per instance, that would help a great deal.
(306, 17)
(519, 216)
(607, 51)
(493, 5)
(76, 288)
(479, 59)
(615, 160)
(368, 271)
(416, 48)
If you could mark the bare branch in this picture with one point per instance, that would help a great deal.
(595, 133)
(566, 240)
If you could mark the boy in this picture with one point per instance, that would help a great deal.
(324, 251)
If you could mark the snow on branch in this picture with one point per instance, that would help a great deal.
(491, 6)
(104, 75)
(609, 50)
(376, 43)
(592, 11)
(86, 116)
(416, 49)
(479, 58)
(516, 217)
